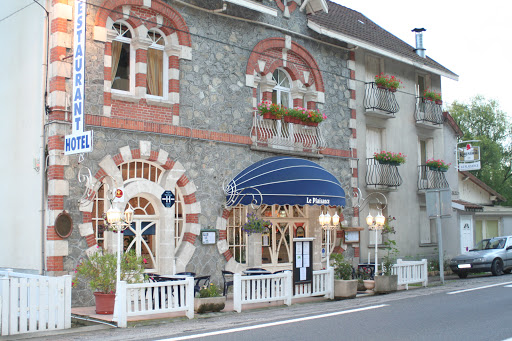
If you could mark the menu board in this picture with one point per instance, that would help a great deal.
(302, 261)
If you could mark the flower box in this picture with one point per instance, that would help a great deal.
(389, 158)
(387, 82)
(205, 304)
(270, 116)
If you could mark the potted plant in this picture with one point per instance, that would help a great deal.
(387, 82)
(99, 271)
(431, 95)
(296, 115)
(270, 110)
(209, 298)
(387, 281)
(365, 282)
(438, 165)
(389, 158)
(314, 117)
(344, 285)
(255, 224)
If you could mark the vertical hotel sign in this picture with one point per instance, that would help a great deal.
(79, 141)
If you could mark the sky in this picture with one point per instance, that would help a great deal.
(469, 37)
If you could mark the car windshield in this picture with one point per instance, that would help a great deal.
(487, 244)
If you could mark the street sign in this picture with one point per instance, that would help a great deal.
(168, 199)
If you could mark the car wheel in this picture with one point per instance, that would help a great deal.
(463, 274)
(497, 267)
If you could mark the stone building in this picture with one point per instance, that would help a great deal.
(171, 96)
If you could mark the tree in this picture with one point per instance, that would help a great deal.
(483, 120)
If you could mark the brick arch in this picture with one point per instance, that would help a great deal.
(290, 68)
(174, 175)
(266, 48)
(170, 16)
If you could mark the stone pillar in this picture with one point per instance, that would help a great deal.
(254, 250)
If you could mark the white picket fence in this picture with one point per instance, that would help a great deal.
(410, 272)
(154, 298)
(279, 287)
(31, 303)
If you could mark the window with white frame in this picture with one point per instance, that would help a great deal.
(121, 68)
(281, 94)
(156, 84)
(485, 229)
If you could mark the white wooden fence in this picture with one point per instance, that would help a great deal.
(30, 303)
(279, 287)
(154, 298)
(411, 272)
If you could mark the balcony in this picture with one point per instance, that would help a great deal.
(382, 175)
(286, 137)
(380, 102)
(428, 113)
(431, 179)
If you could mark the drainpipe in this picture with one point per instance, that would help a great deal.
(42, 152)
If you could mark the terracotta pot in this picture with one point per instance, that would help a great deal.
(104, 303)
(438, 101)
(312, 124)
(270, 116)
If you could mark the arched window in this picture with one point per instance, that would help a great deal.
(155, 77)
(281, 94)
(121, 68)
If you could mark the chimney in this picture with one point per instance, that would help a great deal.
(420, 50)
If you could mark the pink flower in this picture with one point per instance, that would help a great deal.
(145, 261)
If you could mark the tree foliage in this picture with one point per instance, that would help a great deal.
(483, 120)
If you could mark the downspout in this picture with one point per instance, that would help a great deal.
(42, 153)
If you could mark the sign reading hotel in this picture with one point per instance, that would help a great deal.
(79, 141)
(469, 158)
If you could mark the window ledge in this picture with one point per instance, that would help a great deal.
(160, 102)
(126, 97)
(428, 244)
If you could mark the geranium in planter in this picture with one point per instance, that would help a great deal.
(314, 117)
(438, 165)
(390, 83)
(389, 158)
(270, 110)
(431, 95)
(99, 271)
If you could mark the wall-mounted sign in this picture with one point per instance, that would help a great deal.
(79, 141)
(208, 236)
(168, 198)
(468, 157)
(118, 195)
(351, 236)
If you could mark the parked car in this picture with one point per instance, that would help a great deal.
(494, 255)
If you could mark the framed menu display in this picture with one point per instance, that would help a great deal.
(302, 260)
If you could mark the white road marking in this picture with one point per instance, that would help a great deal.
(271, 324)
(478, 288)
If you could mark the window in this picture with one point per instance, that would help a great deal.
(121, 57)
(237, 239)
(281, 94)
(422, 83)
(486, 229)
(155, 65)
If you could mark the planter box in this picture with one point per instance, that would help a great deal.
(202, 305)
(386, 284)
(345, 289)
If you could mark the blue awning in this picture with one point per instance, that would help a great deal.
(285, 181)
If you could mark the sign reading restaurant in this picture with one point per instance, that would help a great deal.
(79, 141)
(469, 157)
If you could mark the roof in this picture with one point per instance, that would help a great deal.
(350, 26)
(482, 184)
(453, 124)
(467, 206)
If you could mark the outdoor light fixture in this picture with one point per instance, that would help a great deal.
(325, 221)
(376, 224)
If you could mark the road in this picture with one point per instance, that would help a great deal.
(477, 308)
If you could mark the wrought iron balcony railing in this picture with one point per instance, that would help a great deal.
(431, 178)
(282, 135)
(378, 174)
(428, 111)
(379, 100)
